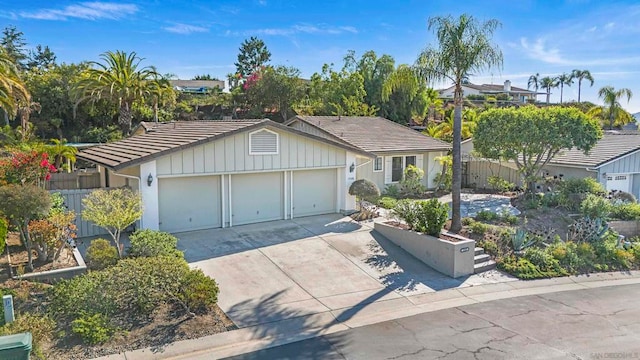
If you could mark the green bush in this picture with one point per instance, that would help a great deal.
(550, 199)
(4, 231)
(411, 183)
(41, 328)
(479, 228)
(544, 260)
(101, 254)
(431, 215)
(572, 192)
(523, 268)
(595, 207)
(387, 202)
(392, 190)
(92, 329)
(147, 243)
(199, 291)
(499, 184)
(364, 190)
(485, 215)
(405, 210)
(625, 211)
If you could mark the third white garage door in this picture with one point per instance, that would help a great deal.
(256, 197)
(314, 192)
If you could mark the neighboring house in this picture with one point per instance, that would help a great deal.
(518, 94)
(614, 161)
(395, 146)
(206, 174)
(197, 86)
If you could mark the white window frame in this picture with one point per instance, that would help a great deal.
(404, 165)
(375, 162)
(264, 153)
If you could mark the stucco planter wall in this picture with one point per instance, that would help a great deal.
(53, 276)
(453, 259)
(628, 228)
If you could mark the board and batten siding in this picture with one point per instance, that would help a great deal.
(625, 165)
(231, 155)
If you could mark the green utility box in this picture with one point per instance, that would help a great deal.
(15, 347)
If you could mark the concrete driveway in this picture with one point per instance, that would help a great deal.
(325, 264)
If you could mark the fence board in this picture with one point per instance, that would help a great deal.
(73, 201)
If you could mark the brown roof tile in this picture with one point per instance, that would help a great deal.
(374, 134)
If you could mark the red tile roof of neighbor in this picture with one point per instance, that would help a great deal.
(159, 139)
(374, 134)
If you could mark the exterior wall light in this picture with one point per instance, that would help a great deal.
(352, 167)
(149, 179)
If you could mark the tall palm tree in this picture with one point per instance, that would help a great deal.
(582, 75)
(562, 80)
(601, 113)
(548, 83)
(464, 48)
(119, 79)
(13, 91)
(534, 81)
(611, 98)
(161, 92)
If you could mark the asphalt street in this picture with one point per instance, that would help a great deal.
(600, 323)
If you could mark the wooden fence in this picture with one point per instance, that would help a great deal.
(73, 201)
(74, 180)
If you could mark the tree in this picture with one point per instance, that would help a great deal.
(121, 80)
(562, 80)
(534, 81)
(364, 190)
(252, 55)
(611, 98)
(13, 44)
(444, 130)
(276, 88)
(114, 210)
(20, 204)
(41, 58)
(582, 75)
(601, 113)
(531, 137)
(13, 92)
(548, 83)
(205, 77)
(405, 96)
(464, 48)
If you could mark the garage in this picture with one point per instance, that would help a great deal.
(619, 182)
(189, 203)
(257, 197)
(314, 192)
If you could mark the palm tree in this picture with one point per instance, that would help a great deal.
(548, 83)
(562, 80)
(582, 75)
(13, 92)
(62, 152)
(161, 91)
(464, 48)
(601, 113)
(444, 130)
(611, 98)
(534, 81)
(121, 80)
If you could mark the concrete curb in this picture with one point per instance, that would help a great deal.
(265, 336)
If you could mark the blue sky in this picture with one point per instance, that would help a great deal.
(195, 37)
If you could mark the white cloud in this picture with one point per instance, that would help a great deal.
(85, 10)
(297, 29)
(185, 29)
(539, 50)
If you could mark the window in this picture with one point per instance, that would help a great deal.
(263, 142)
(399, 163)
(377, 164)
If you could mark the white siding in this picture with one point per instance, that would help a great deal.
(231, 155)
(425, 161)
(625, 165)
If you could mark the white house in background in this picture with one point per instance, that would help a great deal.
(207, 174)
(518, 94)
(197, 86)
(614, 161)
(395, 146)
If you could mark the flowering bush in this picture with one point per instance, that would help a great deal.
(52, 234)
(26, 167)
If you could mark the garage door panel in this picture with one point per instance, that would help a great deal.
(257, 197)
(189, 203)
(314, 192)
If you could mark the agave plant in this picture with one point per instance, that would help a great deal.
(521, 241)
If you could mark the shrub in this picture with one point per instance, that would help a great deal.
(595, 206)
(147, 243)
(572, 192)
(485, 215)
(523, 268)
(41, 328)
(625, 211)
(623, 196)
(405, 210)
(431, 216)
(499, 184)
(364, 189)
(92, 329)
(522, 240)
(544, 261)
(549, 199)
(479, 228)
(4, 231)
(387, 202)
(392, 190)
(199, 291)
(411, 185)
(101, 254)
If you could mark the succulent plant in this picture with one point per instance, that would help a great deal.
(587, 230)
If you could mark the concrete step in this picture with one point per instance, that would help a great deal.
(484, 266)
(481, 258)
(479, 251)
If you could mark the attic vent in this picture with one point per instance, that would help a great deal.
(263, 142)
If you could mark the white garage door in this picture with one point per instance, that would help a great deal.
(314, 192)
(256, 197)
(619, 182)
(189, 203)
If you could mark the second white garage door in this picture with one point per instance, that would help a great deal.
(257, 197)
(189, 203)
(314, 192)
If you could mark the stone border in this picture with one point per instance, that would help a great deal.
(454, 259)
(52, 276)
(628, 228)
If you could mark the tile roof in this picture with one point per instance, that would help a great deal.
(494, 88)
(374, 134)
(612, 146)
(164, 138)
